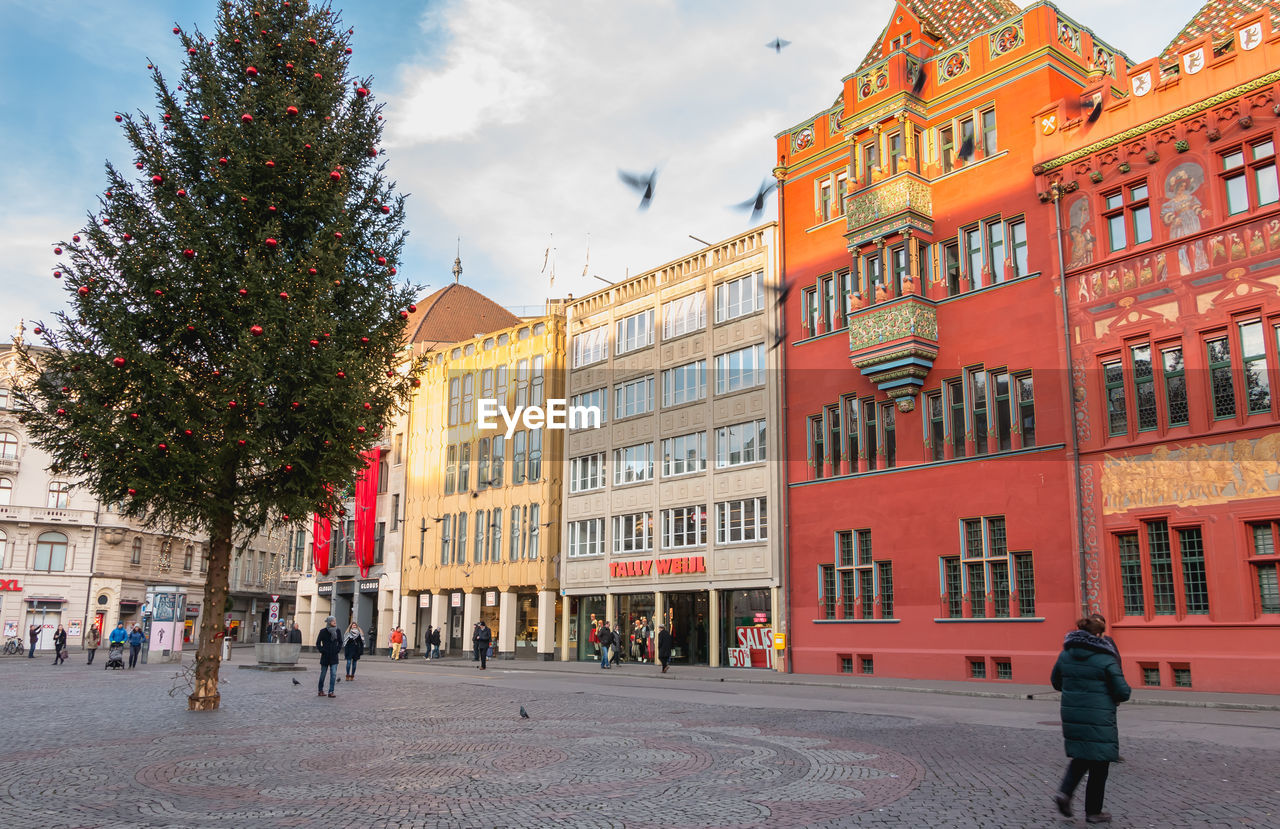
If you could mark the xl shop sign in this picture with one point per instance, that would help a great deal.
(754, 650)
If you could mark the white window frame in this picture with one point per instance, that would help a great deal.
(684, 315)
(675, 457)
(597, 399)
(743, 521)
(635, 332)
(733, 438)
(684, 527)
(633, 533)
(586, 538)
(590, 346)
(684, 384)
(740, 297)
(633, 464)
(732, 372)
(586, 472)
(633, 398)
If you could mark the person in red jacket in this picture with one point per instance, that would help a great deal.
(397, 640)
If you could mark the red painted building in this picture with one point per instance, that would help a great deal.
(1170, 208)
(931, 525)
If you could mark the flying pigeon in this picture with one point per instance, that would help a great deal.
(296, 682)
(642, 184)
(1096, 112)
(918, 83)
(756, 203)
(524, 715)
(966, 149)
(778, 44)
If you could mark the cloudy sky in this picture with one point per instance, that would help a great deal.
(508, 120)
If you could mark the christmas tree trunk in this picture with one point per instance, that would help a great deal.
(205, 696)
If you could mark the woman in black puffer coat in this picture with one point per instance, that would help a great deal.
(1088, 675)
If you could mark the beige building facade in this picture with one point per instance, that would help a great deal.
(671, 504)
(482, 506)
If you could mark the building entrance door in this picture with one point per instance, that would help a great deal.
(687, 621)
(455, 629)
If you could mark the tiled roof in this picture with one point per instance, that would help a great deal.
(456, 313)
(950, 21)
(1214, 19)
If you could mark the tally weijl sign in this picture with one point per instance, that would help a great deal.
(557, 414)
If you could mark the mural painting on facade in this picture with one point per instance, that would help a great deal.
(907, 318)
(1080, 233)
(1193, 475)
(1182, 213)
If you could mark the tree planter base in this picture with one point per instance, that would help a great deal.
(272, 654)
(272, 668)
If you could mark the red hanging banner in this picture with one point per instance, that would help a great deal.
(366, 510)
(320, 544)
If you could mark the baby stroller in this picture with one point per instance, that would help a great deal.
(115, 656)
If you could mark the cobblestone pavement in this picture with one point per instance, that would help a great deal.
(444, 746)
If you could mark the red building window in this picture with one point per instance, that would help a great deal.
(1249, 177)
(1162, 573)
(999, 584)
(1264, 539)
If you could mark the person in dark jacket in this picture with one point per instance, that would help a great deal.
(665, 643)
(435, 643)
(1088, 675)
(33, 633)
(605, 638)
(480, 640)
(295, 634)
(136, 638)
(60, 645)
(353, 649)
(329, 645)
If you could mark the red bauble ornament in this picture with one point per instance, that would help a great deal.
(348, 50)
(251, 71)
(318, 76)
(337, 234)
(117, 362)
(176, 30)
(246, 117)
(126, 237)
(191, 328)
(416, 382)
(186, 432)
(412, 308)
(342, 375)
(404, 315)
(382, 260)
(315, 343)
(364, 340)
(75, 238)
(168, 117)
(360, 429)
(222, 162)
(204, 118)
(295, 405)
(231, 405)
(337, 282)
(158, 292)
(306, 146)
(136, 164)
(83, 290)
(271, 209)
(373, 152)
(181, 193)
(57, 274)
(291, 110)
(288, 66)
(391, 374)
(57, 251)
(288, 467)
(255, 330)
(189, 253)
(191, 51)
(133, 491)
(393, 271)
(106, 221)
(62, 411)
(271, 243)
(157, 179)
(271, 164)
(368, 405)
(119, 118)
(162, 446)
(133, 415)
(385, 209)
(37, 330)
(244, 199)
(284, 295)
(361, 91)
(311, 40)
(240, 443)
(335, 175)
(312, 271)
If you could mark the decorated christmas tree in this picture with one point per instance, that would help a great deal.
(234, 335)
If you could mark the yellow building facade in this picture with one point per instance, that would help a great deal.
(482, 501)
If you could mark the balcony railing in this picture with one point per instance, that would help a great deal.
(901, 201)
(894, 344)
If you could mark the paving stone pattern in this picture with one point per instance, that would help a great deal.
(83, 747)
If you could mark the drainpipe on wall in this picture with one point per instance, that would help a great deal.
(779, 319)
(1056, 193)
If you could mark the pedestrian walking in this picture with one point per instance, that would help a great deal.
(481, 639)
(295, 635)
(329, 645)
(92, 641)
(605, 638)
(435, 643)
(617, 651)
(426, 643)
(353, 649)
(593, 637)
(397, 640)
(665, 643)
(136, 638)
(33, 633)
(1088, 675)
(118, 635)
(60, 645)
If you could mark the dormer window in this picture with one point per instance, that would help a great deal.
(900, 42)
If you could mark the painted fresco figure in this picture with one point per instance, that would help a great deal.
(1182, 212)
(1080, 234)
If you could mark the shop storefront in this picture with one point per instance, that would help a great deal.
(191, 624)
(687, 620)
(527, 625)
(634, 609)
(584, 613)
(746, 633)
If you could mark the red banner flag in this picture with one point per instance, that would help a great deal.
(366, 510)
(320, 544)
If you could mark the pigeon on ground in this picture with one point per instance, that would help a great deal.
(524, 715)
(296, 682)
(756, 203)
(642, 184)
(778, 44)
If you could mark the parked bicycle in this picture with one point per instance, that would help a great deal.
(15, 645)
